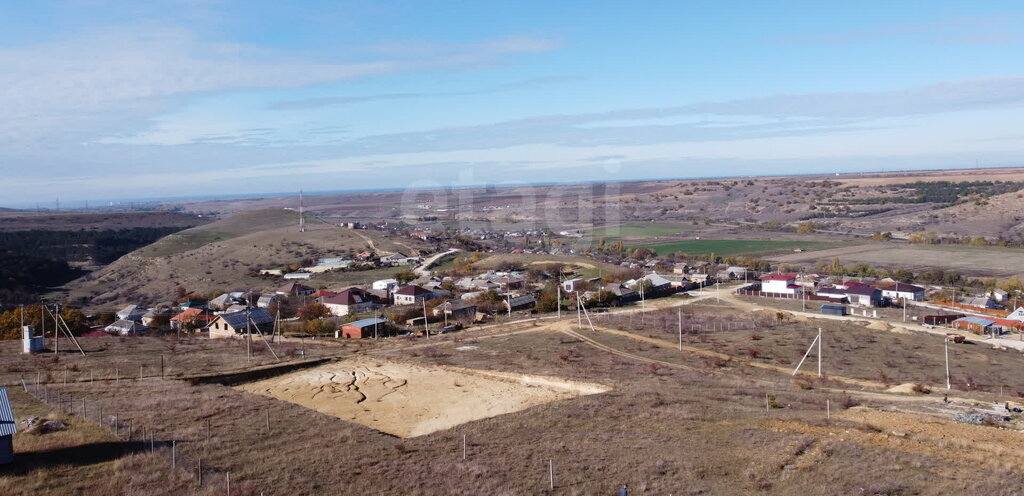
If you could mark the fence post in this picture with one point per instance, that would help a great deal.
(174, 454)
(200, 471)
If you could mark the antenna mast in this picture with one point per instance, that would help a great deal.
(302, 219)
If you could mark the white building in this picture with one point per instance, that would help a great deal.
(780, 284)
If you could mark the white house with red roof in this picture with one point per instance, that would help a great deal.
(780, 284)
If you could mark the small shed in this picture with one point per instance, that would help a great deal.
(833, 309)
(974, 324)
(7, 428)
(364, 328)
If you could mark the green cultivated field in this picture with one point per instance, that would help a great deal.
(728, 247)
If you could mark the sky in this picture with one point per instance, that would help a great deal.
(114, 101)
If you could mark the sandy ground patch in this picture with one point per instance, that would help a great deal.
(410, 400)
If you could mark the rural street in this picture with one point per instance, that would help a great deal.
(422, 270)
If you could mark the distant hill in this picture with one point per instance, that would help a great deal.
(226, 255)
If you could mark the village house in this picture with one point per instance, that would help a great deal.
(132, 312)
(295, 289)
(622, 293)
(983, 302)
(350, 301)
(1000, 295)
(388, 285)
(125, 327)
(191, 316)
(780, 284)
(411, 295)
(905, 291)
(265, 300)
(397, 259)
(1017, 315)
(524, 302)
(572, 285)
(864, 295)
(255, 320)
(456, 310)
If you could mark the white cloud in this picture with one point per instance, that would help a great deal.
(96, 81)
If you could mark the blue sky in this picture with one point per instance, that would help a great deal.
(122, 100)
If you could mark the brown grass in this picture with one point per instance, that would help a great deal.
(672, 424)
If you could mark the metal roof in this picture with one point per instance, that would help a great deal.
(364, 323)
(976, 320)
(7, 423)
(259, 316)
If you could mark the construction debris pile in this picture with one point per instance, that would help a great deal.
(980, 418)
(36, 425)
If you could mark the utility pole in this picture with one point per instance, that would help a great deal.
(945, 341)
(559, 300)
(819, 352)
(248, 336)
(579, 311)
(426, 326)
(680, 329)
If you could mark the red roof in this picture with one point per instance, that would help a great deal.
(351, 296)
(188, 315)
(324, 293)
(412, 290)
(779, 277)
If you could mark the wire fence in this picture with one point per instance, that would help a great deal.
(182, 453)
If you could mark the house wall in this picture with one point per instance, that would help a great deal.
(6, 449)
(349, 331)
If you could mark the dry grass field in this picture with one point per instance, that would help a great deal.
(73, 221)
(723, 416)
(977, 261)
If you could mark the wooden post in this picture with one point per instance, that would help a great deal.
(161, 366)
(828, 409)
(463, 446)
(140, 371)
(551, 473)
(767, 404)
(174, 454)
(152, 443)
(207, 430)
(117, 376)
(200, 471)
(228, 475)
(268, 420)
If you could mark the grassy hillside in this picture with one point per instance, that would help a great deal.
(225, 256)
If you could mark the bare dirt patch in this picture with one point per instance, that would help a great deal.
(409, 400)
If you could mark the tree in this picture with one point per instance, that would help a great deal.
(602, 298)
(313, 311)
(405, 276)
(643, 253)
